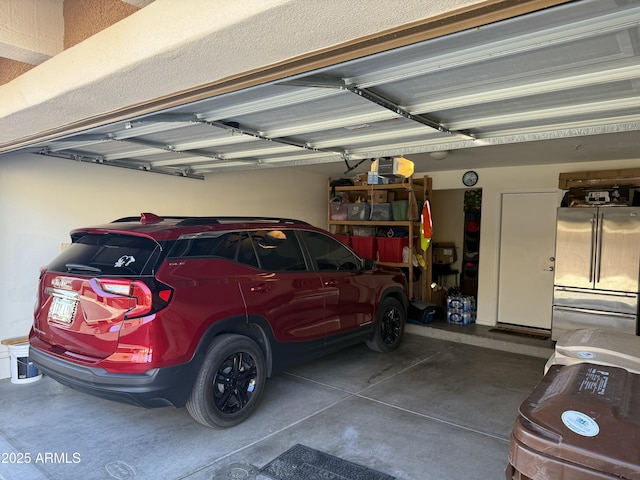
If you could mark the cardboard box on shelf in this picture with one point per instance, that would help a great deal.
(444, 253)
(377, 196)
(360, 179)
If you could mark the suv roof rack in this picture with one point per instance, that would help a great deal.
(205, 220)
(186, 221)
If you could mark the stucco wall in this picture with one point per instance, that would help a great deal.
(84, 18)
(10, 69)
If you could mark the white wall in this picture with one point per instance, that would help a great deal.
(495, 182)
(42, 199)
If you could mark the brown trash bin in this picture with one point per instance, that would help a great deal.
(581, 422)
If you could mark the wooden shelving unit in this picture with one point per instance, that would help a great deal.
(421, 189)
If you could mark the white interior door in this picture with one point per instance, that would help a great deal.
(527, 245)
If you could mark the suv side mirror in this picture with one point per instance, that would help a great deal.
(368, 264)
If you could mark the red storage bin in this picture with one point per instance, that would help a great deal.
(346, 239)
(364, 246)
(390, 249)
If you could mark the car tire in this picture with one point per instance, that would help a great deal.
(230, 383)
(389, 326)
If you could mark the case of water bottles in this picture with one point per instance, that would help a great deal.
(461, 309)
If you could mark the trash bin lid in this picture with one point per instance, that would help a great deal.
(586, 415)
(602, 347)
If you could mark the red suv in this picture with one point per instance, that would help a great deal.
(198, 311)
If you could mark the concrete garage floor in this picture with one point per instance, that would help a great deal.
(435, 409)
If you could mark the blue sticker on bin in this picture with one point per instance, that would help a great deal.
(580, 423)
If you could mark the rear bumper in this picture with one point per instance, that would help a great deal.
(156, 388)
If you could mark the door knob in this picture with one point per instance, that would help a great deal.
(550, 269)
(552, 259)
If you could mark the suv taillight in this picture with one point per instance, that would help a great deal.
(146, 300)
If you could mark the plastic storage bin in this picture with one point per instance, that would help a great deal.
(339, 210)
(390, 249)
(581, 422)
(603, 347)
(359, 211)
(381, 212)
(346, 239)
(399, 209)
(364, 246)
(364, 231)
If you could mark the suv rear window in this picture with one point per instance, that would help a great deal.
(108, 254)
(210, 244)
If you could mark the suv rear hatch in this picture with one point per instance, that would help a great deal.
(87, 292)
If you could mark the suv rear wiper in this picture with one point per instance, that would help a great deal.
(78, 266)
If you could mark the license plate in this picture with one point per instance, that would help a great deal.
(62, 309)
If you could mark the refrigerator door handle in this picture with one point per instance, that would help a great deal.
(594, 222)
(599, 240)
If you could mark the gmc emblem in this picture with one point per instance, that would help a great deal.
(61, 282)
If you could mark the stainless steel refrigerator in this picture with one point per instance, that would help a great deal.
(597, 269)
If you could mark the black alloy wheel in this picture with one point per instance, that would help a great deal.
(230, 383)
(389, 326)
(235, 383)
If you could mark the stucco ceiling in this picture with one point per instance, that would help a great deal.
(554, 86)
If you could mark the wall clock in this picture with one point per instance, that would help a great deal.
(470, 178)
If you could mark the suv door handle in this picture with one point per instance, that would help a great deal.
(263, 287)
(331, 283)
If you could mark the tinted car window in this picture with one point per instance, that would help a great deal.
(330, 254)
(247, 254)
(108, 254)
(278, 250)
(223, 245)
